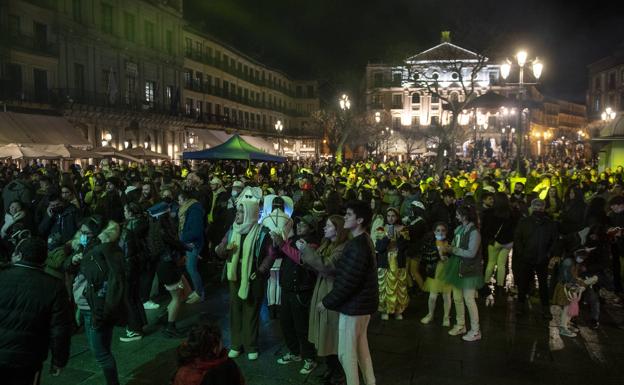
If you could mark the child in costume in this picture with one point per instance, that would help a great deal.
(433, 262)
(391, 242)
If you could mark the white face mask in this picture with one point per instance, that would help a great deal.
(440, 237)
(234, 193)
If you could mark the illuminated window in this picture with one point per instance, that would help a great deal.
(149, 92)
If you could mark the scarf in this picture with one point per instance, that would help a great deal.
(215, 194)
(244, 253)
(182, 213)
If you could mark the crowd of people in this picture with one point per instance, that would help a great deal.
(325, 245)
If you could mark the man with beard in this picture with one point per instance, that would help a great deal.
(534, 241)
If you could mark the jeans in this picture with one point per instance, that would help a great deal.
(100, 344)
(192, 258)
(294, 317)
(353, 349)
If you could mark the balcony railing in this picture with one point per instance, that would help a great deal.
(28, 43)
(387, 84)
(227, 94)
(249, 77)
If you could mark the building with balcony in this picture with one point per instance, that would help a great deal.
(225, 87)
(400, 92)
(136, 72)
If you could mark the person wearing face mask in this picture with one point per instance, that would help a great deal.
(36, 317)
(534, 244)
(433, 261)
(99, 288)
(237, 188)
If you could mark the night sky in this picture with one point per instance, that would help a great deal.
(332, 40)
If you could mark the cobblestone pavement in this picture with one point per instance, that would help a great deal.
(512, 351)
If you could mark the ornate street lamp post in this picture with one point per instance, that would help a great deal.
(505, 69)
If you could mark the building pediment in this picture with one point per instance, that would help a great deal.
(444, 52)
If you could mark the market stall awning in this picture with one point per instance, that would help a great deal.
(40, 129)
(112, 152)
(68, 152)
(143, 153)
(235, 148)
(17, 151)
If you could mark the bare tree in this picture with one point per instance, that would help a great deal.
(410, 137)
(467, 75)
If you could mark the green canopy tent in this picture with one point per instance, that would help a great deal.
(235, 148)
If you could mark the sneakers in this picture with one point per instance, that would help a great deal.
(150, 305)
(567, 332)
(233, 353)
(384, 317)
(446, 322)
(288, 358)
(308, 367)
(473, 335)
(193, 298)
(426, 319)
(252, 356)
(131, 336)
(172, 332)
(457, 330)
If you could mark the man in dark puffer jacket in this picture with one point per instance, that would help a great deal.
(355, 295)
(34, 316)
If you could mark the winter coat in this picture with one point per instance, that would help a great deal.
(355, 291)
(534, 240)
(103, 267)
(34, 318)
(193, 227)
(60, 228)
(323, 326)
(294, 276)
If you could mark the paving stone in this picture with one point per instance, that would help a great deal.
(511, 352)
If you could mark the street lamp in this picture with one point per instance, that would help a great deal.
(279, 127)
(505, 69)
(345, 103)
(106, 139)
(608, 115)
